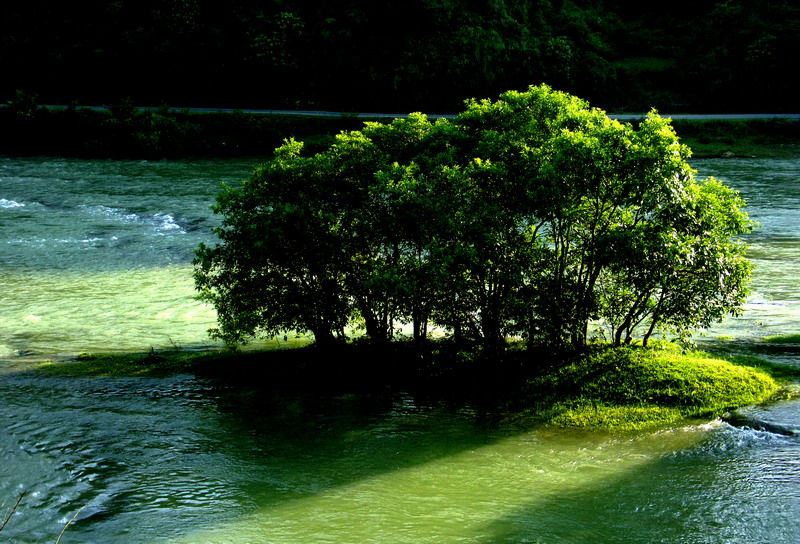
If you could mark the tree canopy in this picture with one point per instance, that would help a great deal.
(532, 216)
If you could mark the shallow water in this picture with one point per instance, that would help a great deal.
(772, 190)
(95, 256)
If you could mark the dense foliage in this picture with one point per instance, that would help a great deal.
(409, 55)
(532, 216)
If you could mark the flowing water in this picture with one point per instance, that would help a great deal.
(96, 256)
(772, 191)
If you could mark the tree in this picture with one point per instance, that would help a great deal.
(305, 243)
(279, 265)
(532, 215)
(694, 271)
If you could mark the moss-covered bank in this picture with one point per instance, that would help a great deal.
(793, 338)
(621, 388)
(630, 387)
(123, 132)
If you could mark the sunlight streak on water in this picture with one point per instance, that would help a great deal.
(126, 310)
(453, 499)
(540, 486)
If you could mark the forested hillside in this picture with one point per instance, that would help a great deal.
(403, 55)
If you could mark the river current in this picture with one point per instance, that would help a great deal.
(96, 256)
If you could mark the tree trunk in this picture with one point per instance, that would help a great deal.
(490, 330)
(376, 328)
(655, 319)
(420, 325)
(323, 336)
(618, 335)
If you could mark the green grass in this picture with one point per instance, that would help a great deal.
(783, 339)
(742, 149)
(174, 134)
(756, 138)
(165, 362)
(630, 388)
(601, 416)
(151, 364)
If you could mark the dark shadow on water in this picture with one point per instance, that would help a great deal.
(152, 458)
(306, 428)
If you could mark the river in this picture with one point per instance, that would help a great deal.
(95, 256)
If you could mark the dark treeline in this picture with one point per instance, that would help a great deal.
(402, 55)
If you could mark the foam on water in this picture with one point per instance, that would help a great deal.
(10, 204)
(161, 220)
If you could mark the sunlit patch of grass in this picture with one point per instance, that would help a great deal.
(632, 387)
(153, 363)
(781, 373)
(793, 338)
(588, 414)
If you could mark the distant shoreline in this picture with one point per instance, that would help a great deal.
(363, 115)
(131, 132)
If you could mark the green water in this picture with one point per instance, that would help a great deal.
(529, 487)
(184, 460)
(772, 191)
(95, 256)
(119, 310)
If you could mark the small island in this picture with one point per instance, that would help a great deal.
(526, 253)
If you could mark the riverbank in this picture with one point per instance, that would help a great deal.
(123, 131)
(610, 388)
(741, 138)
